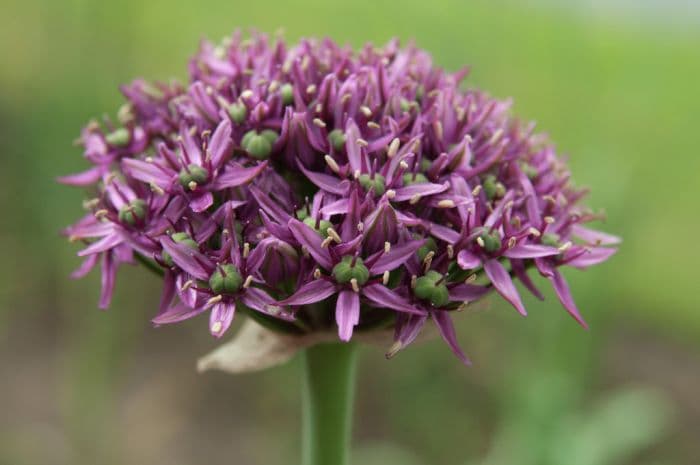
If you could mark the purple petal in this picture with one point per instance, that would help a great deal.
(104, 244)
(421, 189)
(220, 318)
(447, 331)
(201, 201)
(186, 258)
(347, 313)
(109, 274)
(260, 301)
(310, 239)
(166, 296)
(468, 292)
(220, 144)
(407, 329)
(467, 260)
(326, 182)
(175, 314)
(562, 289)
(504, 285)
(311, 292)
(85, 267)
(594, 237)
(396, 257)
(444, 233)
(235, 175)
(382, 296)
(146, 172)
(83, 178)
(531, 251)
(590, 257)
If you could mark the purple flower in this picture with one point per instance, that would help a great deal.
(316, 188)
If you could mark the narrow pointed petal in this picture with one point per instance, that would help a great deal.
(109, 274)
(308, 238)
(590, 257)
(467, 260)
(594, 237)
(564, 294)
(326, 182)
(468, 292)
(504, 284)
(235, 175)
(146, 172)
(186, 258)
(104, 244)
(315, 291)
(260, 301)
(175, 314)
(347, 313)
(396, 256)
(382, 296)
(84, 178)
(201, 201)
(220, 318)
(523, 251)
(447, 331)
(221, 143)
(421, 190)
(168, 292)
(407, 329)
(85, 267)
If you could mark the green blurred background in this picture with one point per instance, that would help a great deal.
(614, 84)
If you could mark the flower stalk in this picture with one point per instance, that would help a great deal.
(327, 399)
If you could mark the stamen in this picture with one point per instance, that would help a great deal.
(480, 241)
(192, 185)
(246, 94)
(311, 89)
(393, 148)
(373, 125)
(356, 174)
(326, 242)
(511, 242)
(274, 85)
(446, 203)
(90, 204)
(317, 273)
(319, 122)
(470, 279)
(534, 231)
(156, 188)
(187, 285)
(214, 300)
(366, 111)
(99, 214)
(355, 286)
(385, 277)
(362, 142)
(414, 279)
(549, 219)
(345, 98)
(565, 246)
(360, 226)
(387, 247)
(246, 249)
(414, 199)
(403, 164)
(248, 282)
(477, 190)
(390, 194)
(334, 235)
(332, 164)
(450, 251)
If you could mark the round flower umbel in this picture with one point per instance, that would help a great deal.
(368, 188)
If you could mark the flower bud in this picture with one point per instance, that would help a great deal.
(119, 137)
(432, 288)
(493, 188)
(414, 178)
(351, 268)
(428, 246)
(132, 212)
(322, 228)
(490, 241)
(225, 280)
(337, 139)
(238, 112)
(193, 173)
(179, 238)
(259, 145)
(287, 93)
(377, 182)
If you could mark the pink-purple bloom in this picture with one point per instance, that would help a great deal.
(316, 187)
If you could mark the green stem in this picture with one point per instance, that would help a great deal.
(327, 399)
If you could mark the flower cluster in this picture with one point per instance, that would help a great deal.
(313, 186)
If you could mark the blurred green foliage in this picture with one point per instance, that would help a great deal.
(618, 94)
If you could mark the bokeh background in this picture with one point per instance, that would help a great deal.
(615, 84)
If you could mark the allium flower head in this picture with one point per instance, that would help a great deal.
(315, 187)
